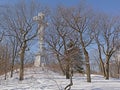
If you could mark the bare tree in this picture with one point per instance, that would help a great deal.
(78, 19)
(57, 37)
(18, 21)
(97, 36)
(106, 38)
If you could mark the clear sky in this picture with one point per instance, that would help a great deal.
(109, 6)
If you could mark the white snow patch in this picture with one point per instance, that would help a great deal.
(36, 79)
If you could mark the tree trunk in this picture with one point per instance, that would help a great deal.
(67, 71)
(87, 66)
(107, 68)
(5, 69)
(101, 61)
(86, 58)
(5, 75)
(21, 77)
(102, 67)
(14, 51)
(12, 68)
(68, 87)
(118, 71)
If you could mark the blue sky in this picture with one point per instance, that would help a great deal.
(108, 6)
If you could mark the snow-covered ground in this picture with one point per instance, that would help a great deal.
(36, 79)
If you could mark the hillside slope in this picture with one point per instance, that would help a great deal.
(36, 79)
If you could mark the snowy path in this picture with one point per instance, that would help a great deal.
(35, 79)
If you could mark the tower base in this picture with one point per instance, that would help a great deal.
(37, 61)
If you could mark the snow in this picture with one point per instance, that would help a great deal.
(36, 79)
